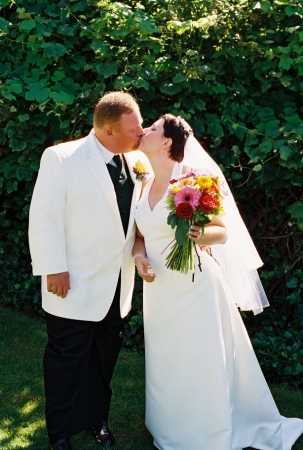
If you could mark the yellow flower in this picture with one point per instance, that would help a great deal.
(140, 171)
(175, 189)
(139, 167)
(204, 182)
(187, 182)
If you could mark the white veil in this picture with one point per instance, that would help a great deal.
(238, 257)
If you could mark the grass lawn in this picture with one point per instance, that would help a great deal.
(22, 425)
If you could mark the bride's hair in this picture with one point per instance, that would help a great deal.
(178, 130)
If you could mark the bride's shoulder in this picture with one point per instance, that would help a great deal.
(185, 169)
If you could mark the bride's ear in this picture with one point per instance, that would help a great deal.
(167, 143)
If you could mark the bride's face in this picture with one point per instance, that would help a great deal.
(153, 138)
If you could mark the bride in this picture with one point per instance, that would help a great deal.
(204, 387)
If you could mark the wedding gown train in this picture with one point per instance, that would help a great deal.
(204, 387)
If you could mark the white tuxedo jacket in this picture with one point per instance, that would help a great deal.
(75, 226)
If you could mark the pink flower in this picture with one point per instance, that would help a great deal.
(187, 194)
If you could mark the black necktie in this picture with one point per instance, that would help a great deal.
(118, 161)
(115, 171)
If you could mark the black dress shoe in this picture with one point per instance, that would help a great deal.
(61, 444)
(103, 435)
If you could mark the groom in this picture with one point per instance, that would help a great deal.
(81, 234)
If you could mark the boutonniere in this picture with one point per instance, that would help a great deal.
(140, 170)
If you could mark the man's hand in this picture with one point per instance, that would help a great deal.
(58, 284)
(207, 249)
(143, 265)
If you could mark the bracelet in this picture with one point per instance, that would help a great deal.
(138, 254)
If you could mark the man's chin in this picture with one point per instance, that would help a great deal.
(136, 146)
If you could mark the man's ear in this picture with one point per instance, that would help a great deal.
(109, 132)
(167, 143)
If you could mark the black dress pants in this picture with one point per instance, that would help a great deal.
(79, 361)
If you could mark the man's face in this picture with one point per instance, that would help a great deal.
(127, 132)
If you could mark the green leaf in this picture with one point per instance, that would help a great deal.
(11, 186)
(174, 221)
(122, 82)
(299, 223)
(182, 231)
(265, 6)
(213, 125)
(141, 83)
(296, 210)
(200, 104)
(15, 88)
(285, 152)
(37, 91)
(27, 25)
(257, 168)
(198, 127)
(205, 68)
(170, 217)
(17, 145)
(146, 27)
(265, 147)
(219, 88)
(35, 165)
(107, 70)
(53, 49)
(179, 78)
(100, 47)
(4, 24)
(266, 113)
(62, 97)
(23, 173)
(23, 117)
(285, 62)
(58, 75)
(292, 283)
(170, 88)
(290, 10)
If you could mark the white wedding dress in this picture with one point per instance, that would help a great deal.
(204, 386)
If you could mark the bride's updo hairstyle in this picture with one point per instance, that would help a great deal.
(178, 130)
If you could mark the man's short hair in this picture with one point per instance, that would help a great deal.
(111, 106)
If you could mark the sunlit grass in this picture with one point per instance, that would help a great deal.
(22, 424)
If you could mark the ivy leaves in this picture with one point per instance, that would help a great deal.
(232, 69)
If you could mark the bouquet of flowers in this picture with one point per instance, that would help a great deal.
(191, 199)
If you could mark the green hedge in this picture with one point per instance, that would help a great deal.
(233, 69)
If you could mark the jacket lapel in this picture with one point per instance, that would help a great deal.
(97, 165)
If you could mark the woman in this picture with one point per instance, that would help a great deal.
(204, 386)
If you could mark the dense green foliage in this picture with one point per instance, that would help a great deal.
(232, 68)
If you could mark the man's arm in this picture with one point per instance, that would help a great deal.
(46, 224)
(141, 261)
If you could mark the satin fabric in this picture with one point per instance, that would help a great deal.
(204, 387)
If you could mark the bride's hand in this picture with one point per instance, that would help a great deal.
(143, 265)
(195, 234)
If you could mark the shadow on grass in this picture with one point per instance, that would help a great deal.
(22, 424)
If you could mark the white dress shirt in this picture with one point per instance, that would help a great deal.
(107, 155)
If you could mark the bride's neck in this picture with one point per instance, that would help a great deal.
(162, 166)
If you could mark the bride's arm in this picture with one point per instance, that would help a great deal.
(214, 233)
(141, 261)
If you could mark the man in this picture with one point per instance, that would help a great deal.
(81, 234)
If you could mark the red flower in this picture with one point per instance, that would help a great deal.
(173, 181)
(207, 203)
(184, 210)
